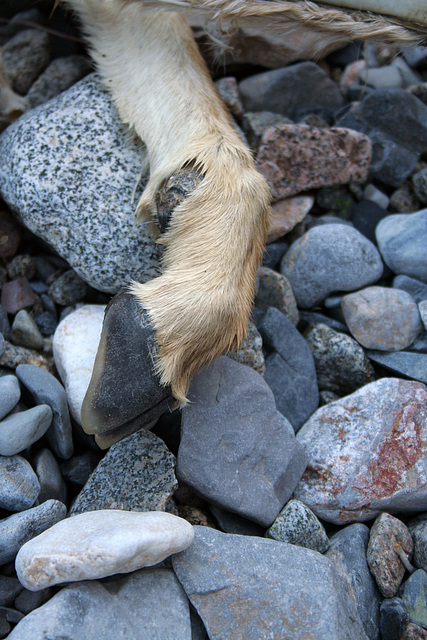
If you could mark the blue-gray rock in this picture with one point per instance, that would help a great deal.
(248, 588)
(328, 258)
(396, 122)
(415, 288)
(9, 588)
(27, 601)
(25, 332)
(290, 371)
(52, 484)
(414, 597)
(4, 323)
(237, 451)
(297, 524)
(68, 289)
(2, 345)
(19, 487)
(419, 181)
(137, 474)
(45, 388)
(365, 217)
(149, 603)
(420, 343)
(11, 615)
(10, 393)
(22, 429)
(59, 76)
(74, 195)
(78, 468)
(418, 530)
(422, 308)
(341, 364)
(21, 527)
(313, 317)
(403, 363)
(394, 618)
(284, 91)
(402, 240)
(233, 523)
(25, 56)
(347, 550)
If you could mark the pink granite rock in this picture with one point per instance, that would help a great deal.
(367, 453)
(295, 158)
(286, 213)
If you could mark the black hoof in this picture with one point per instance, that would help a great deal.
(124, 394)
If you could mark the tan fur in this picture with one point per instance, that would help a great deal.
(200, 304)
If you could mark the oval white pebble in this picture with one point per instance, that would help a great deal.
(97, 544)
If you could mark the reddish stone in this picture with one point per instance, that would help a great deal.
(10, 235)
(17, 294)
(414, 632)
(295, 158)
(285, 214)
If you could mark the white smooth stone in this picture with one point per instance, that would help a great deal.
(102, 543)
(75, 344)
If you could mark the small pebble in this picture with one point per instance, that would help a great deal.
(25, 56)
(11, 615)
(414, 632)
(46, 323)
(68, 289)
(365, 217)
(10, 393)
(414, 597)
(250, 351)
(52, 485)
(286, 214)
(25, 332)
(78, 468)
(10, 235)
(415, 288)
(419, 180)
(394, 619)
(19, 487)
(14, 356)
(372, 193)
(418, 530)
(22, 265)
(274, 290)
(17, 294)
(4, 323)
(61, 74)
(404, 200)
(27, 601)
(5, 628)
(9, 589)
(402, 240)
(297, 524)
(422, 308)
(20, 430)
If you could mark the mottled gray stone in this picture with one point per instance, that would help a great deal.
(382, 318)
(256, 123)
(418, 530)
(52, 485)
(403, 363)
(137, 474)
(68, 170)
(394, 619)
(19, 486)
(402, 240)
(297, 524)
(21, 527)
(25, 332)
(59, 76)
(9, 588)
(45, 388)
(419, 181)
(25, 56)
(414, 597)
(290, 370)
(341, 364)
(328, 258)
(149, 603)
(415, 288)
(248, 588)
(347, 551)
(20, 430)
(237, 451)
(274, 290)
(367, 453)
(68, 289)
(250, 351)
(78, 468)
(10, 392)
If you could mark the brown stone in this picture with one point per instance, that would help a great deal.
(10, 235)
(13, 356)
(17, 294)
(352, 73)
(414, 632)
(274, 290)
(285, 215)
(295, 158)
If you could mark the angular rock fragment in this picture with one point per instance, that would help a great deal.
(297, 524)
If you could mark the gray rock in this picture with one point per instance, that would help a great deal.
(284, 91)
(419, 180)
(78, 468)
(274, 290)
(290, 370)
(367, 453)
(45, 388)
(9, 589)
(27, 601)
(25, 332)
(403, 363)
(250, 588)
(347, 551)
(233, 523)
(297, 524)
(382, 318)
(150, 602)
(415, 288)
(394, 619)
(250, 351)
(402, 239)
(313, 317)
(413, 596)
(418, 530)
(52, 485)
(137, 474)
(10, 393)
(60, 75)
(420, 343)
(422, 308)
(21, 527)
(255, 124)
(341, 364)
(68, 289)
(74, 195)
(328, 258)
(19, 486)
(415, 56)
(20, 430)
(24, 58)
(4, 323)
(236, 450)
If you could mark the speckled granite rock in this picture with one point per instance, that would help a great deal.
(274, 290)
(294, 158)
(328, 258)
(402, 240)
(68, 169)
(297, 524)
(137, 474)
(249, 588)
(250, 352)
(367, 453)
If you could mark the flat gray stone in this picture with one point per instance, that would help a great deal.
(58, 178)
(250, 588)
(18, 528)
(22, 429)
(347, 551)
(418, 530)
(414, 597)
(19, 487)
(45, 388)
(237, 451)
(403, 363)
(297, 524)
(328, 258)
(149, 603)
(367, 453)
(402, 240)
(10, 392)
(52, 484)
(137, 474)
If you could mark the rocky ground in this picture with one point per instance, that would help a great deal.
(301, 461)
